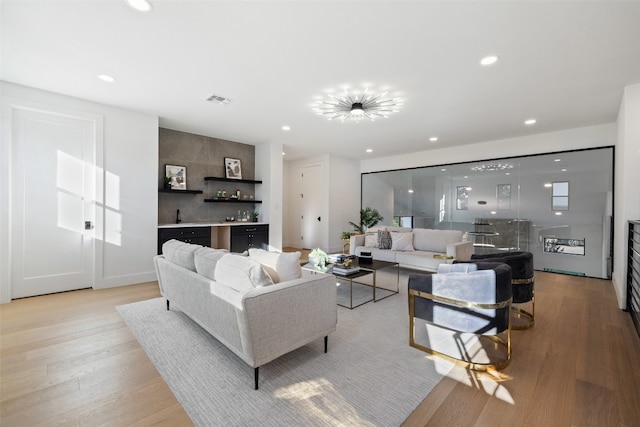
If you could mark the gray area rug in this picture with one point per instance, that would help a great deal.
(369, 377)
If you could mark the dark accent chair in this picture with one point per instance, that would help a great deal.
(463, 300)
(523, 281)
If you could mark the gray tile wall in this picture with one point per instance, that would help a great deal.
(202, 156)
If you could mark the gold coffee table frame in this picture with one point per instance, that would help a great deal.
(365, 270)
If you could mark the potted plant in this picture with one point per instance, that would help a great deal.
(346, 235)
(254, 216)
(368, 218)
(318, 258)
(167, 182)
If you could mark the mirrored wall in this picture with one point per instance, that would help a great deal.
(557, 206)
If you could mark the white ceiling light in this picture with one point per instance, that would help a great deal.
(548, 185)
(489, 60)
(411, 191)
(356, 106)
(530, 122)
(563, 170)
(558, 213)
(557, 160)
(286, 128)
(106, 78)
(369, 150)
(433, 139)
(140, 5)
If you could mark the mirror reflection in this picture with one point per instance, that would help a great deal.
(519, 203)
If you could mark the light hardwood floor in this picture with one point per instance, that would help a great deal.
(69, 359)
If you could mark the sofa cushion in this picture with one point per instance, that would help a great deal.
(180, 253)
(288, 266)
(241, 273)
(205, 260)
(268, 260)
(371, 239)
(401, 241)
(281, 267)
(425, 239)
(384, 240)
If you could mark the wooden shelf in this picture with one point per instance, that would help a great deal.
(244, 181)
(231, 201)
(168, 190)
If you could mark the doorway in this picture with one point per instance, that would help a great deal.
(53, 202)
(312, 191)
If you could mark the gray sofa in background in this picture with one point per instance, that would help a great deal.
(234, 299)
(419, 254)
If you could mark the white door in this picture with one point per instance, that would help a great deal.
(53, 194)
(312, 197)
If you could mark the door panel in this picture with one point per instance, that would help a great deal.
(312, 194)
(53, 177)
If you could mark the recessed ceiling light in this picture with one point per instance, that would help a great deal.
(507, 173)
(548, 185)
(493, 212)
(433, 139)
(106, 78)
(563, 170)
(285, 128)
(466, 176)
(411, 191)
(530, 122)
(558, 213)
(369, 150)
(489, 60)
(557, 160)
(443, 169)
(283, 153)
(140, 5)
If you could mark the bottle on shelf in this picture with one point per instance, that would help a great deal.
(178, 218)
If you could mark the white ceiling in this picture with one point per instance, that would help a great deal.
(564, 63)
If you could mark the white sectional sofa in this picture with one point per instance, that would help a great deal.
(235, 299)
(412, 247)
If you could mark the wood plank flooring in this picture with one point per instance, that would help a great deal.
(69, 359)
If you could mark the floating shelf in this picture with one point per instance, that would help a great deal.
(168, 190)
(231, 201)
(245, 181)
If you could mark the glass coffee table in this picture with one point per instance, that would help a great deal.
(366, 269)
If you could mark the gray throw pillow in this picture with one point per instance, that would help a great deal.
(384, 240)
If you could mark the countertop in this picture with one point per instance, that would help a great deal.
(210, 224)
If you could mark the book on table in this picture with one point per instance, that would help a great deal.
(342, 269)
(339, 258)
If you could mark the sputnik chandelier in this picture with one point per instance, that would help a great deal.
(492, 167)
(355, 106)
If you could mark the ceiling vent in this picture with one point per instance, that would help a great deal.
(221, 100)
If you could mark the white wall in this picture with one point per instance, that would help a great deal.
(573, 139)
(341, 191)
(269, 169)
(128, 206)
(627, 181)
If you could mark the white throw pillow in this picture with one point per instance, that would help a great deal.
(206, 259)
(180, 253)
(241, 273)
(457, 268)
(288, 266)
(401, 241)
(371, 240)
(281, 267)
(268, 260)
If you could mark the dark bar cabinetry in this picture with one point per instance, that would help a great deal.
(196, 235)
(248, 236)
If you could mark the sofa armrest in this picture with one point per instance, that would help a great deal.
(461, 251)
(355, 241)
(283, 317)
